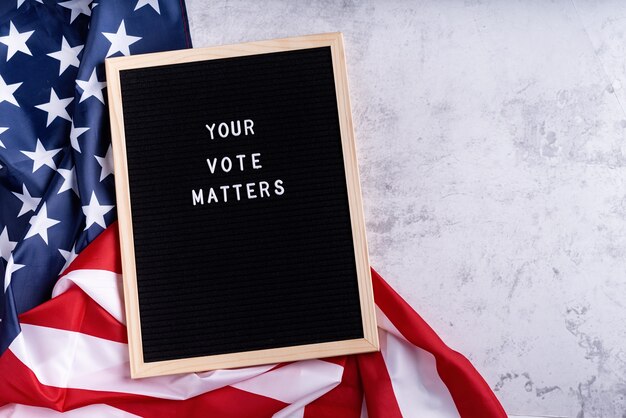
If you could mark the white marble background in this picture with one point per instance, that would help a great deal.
(492, 150)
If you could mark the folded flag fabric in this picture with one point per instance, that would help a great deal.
(56, 184)
(62, 335)
(72, 356)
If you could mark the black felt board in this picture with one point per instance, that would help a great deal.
(243, 275)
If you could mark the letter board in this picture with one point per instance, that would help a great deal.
(241, 222)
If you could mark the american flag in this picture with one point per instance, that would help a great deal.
(63, 341)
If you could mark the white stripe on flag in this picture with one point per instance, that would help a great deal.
(294, 381)
(104, 287)
(418, 388)
(364, 409)
(296, 384)
(98, 410)
(68, 359)
(299, 413)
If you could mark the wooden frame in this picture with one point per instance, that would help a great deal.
(369, 343)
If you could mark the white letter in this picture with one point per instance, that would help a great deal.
(248, 124)
(212, 196)
(232, 128)
(255, 160)
(219, 130)
(250, 190)
(211, 166)
(197, 197)
(240, 157)
(224, 188)
(237, 187)
(278, 189)
(210, 128)
(230, 164)
(264, 188)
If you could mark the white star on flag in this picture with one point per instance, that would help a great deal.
(120, 41)
(77, 7)
(41, 156)
(152, 3)
(94, 212)
(56, 108)
(69, 256)
(2, 130)
(74, 134)
(20, 2)
(67, 56)
(28, 202)
(7, 90)
(106, 163)
(40, 223)
(69, 180)
(16, 41)
(12, 267)
(6, 245)
(91, 87)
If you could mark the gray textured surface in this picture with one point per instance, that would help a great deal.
(492, 149)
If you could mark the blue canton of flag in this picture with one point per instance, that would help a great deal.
(56, 170)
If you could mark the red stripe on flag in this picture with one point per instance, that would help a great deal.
(344, 400)
(103, 253)
(471, 394)
(75, 311)
(24, 388)
(379, 395)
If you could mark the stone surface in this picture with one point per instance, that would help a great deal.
(492, 151)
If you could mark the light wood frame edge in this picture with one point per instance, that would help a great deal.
(124, 216)
(351, 168)
(370, 342)
(253, 358)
